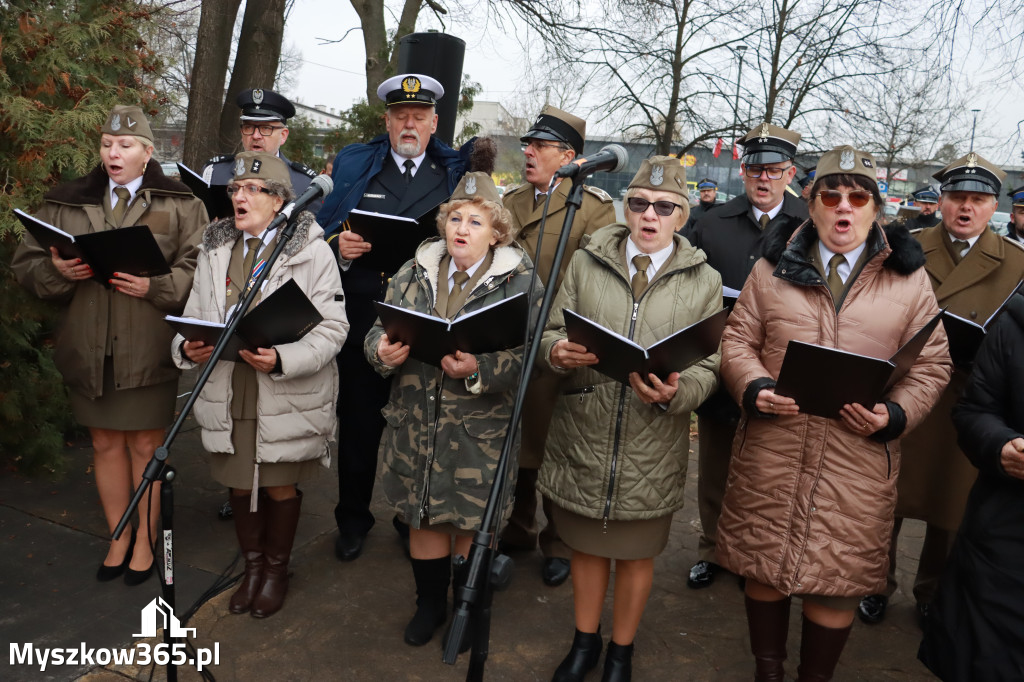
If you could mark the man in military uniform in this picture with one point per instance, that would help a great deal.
(973, 270)
(732, 235)
(708, 189)
(264, 126)
(927, 199)
(404, 172)
(1016, 226)
(555, 139)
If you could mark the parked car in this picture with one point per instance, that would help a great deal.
(170, 169)
(1000, 223)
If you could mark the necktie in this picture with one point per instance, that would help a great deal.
(959, 245)
(639, 281)
(253, 244)
(455, 294)
(764, 220)
(123, 197)
(538, 199)
(409, 165)
(835, 282)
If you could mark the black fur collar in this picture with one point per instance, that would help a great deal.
(89, 188)
(223, 231)
(906, 257)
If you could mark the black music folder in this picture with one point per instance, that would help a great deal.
(499, 326)
(619, 356)
(214, 197)
(823, 379)
(285, 316)
(965, 336)
(394, 238)
(128, 249)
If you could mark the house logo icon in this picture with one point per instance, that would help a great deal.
(157, 614)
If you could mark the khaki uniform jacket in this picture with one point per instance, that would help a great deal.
(808, 506)
(141, 338)
(596, 212)
(608, 454)
(937, 476)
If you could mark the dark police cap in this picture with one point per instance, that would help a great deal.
(971, 173)
(560, 126)
(707, 183)
(1017, 195)
(925, 195)
(410, 88)
(767, 143)
(263, 105)
(807, 179)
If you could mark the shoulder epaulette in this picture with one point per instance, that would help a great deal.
(303, 168)
(1012, 241)
(511, 189)
(220, 159)
(599, 193)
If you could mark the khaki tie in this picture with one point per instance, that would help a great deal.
(835, 282)
(455, 294)
(764, 220)
(253, 244)
(639, 282)
(538, 199)
(959, 245)
(123, 197)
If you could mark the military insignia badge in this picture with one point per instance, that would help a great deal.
(846, 160)
(131, 123)
(867, 162)
(257, 96)
(239, 167)
(657, 175)
(470, 185)
(765, 133)
(115, 122)
(256, 163)
(972, 160)
(411, 84)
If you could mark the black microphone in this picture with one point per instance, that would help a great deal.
(612, 158)
(320, 187)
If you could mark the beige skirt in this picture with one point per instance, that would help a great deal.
(129, 409)
(614, 540)
(236, 470)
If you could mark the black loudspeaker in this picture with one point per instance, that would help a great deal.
(439, 56)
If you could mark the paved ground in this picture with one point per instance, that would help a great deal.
(345, 621)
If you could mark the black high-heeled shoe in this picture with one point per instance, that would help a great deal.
(133, 577)
(107, 573)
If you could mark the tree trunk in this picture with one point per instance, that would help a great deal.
(375, 43)
(205, 93)
(259, 51)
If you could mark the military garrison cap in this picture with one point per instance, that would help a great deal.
(971, 173)
(476, 185)
(661, 174)
(410, 88)
(263, 105)
(1017, 196)
(925, 195)
(846, 160)
(127, 120)
(261, 166)
(560, 126)
(767, 143)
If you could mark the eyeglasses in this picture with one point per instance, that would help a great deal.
(538, 145)
(251, 190)
(757, 171)
(857, 198)
(265, 130)
(662, 208)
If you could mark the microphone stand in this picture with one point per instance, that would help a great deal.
(485, 572)
(158, 469)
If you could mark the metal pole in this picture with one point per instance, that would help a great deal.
(738, 51)
(973, 126)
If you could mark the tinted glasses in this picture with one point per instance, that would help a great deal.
(857, 198)
(662, 208)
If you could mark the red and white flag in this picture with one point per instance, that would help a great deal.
(718, 148)
(735, 151)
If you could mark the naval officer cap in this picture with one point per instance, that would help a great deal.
(410, 88)
(559, 126)
(925, 195)
(971, 173)
(259, 105)
(767, 143)
(1017, 196)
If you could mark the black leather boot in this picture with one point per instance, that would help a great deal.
(249, 530)
(582, 657)
(820, 648)
(282, 518)
(432, 577)
(768, 622)
(618, 663)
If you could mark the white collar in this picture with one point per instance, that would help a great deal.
(846, 267)
(132, 187)
(658, 258)
(771, 214)
(471, 270)
(400, 161)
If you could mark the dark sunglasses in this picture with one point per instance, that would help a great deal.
(857, 198)
(662, 208)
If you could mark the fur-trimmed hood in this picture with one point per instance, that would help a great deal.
(506, 259)
(905, 255)
(89, 188)
(222, 232)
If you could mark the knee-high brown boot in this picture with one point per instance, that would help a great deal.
(820, 648)
(249, 529)
(768, 622)
(282, 518)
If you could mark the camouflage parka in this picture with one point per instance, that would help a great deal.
(442, 440)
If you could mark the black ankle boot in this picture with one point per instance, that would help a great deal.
(432, 578)
(618, 663)
(582, 657)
